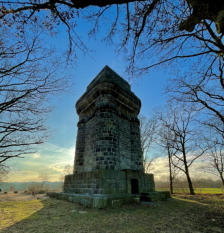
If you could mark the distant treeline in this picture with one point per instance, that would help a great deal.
(178, 183)
(22, 186)
(197, 183)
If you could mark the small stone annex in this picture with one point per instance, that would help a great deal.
(108, 166)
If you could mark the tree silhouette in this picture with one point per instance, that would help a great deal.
(25, 84)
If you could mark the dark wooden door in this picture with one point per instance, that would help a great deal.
(134, 186)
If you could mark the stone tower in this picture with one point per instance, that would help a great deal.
(108, 165)
(108, 129)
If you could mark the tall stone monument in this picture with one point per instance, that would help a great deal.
(108, 166)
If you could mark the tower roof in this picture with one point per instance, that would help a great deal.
(108, 75)
(119, 89)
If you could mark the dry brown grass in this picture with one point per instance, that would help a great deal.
(182, 214)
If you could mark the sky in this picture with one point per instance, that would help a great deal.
(59, 150)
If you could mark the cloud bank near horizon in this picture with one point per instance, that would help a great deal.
(50, 161)
(198, 170)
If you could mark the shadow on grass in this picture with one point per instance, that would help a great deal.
(175, 215)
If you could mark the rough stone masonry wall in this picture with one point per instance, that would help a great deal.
(80, 147)
(101, 142)
(107, 182)
(108, 133)
(108, 167)
(146, 181)
(108, 156)
(96, 182)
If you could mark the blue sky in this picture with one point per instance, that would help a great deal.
(63, 119)
(58, 151)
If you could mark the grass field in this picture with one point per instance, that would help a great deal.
(21, 213)
(197, 190)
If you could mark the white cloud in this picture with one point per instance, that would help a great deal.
(198, 169)
(36, 156)
(50, 159)
(59, 167)
(159, 167)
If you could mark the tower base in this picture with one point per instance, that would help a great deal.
(100, 201)
(109, 188)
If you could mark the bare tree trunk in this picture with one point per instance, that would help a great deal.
(190, 185)
(170, 171)
(191, 188)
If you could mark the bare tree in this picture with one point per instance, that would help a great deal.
(146, 24)
(172, 169)
(147, 134)
(205, 91)
(215, 157)
(27, 77)
(166, 139)
(199, 9)
(178, 31)
(185, 140)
